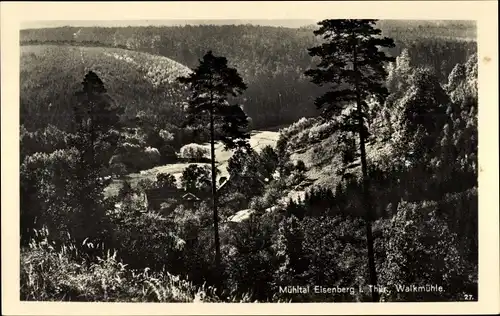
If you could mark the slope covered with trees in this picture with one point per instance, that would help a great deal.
(421, 196)
(271, 60)
(50, 75)
(395, 156)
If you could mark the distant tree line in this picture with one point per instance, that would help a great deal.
(271, 60)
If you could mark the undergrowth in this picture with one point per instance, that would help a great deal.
(51, 272)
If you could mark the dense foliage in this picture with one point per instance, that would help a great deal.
(289, 215)
(271, 60)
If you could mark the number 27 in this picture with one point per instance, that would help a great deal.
(468, 297)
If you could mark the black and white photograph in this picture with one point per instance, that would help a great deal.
(326, 160)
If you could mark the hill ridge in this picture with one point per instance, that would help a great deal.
(137, 80)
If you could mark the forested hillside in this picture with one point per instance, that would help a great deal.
(50, 74)
(272, 60)
(373, 184)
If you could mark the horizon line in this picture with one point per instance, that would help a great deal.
(286, 23)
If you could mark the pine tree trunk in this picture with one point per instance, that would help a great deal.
(366, 192)
(214, 200)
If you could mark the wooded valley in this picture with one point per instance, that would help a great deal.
(226, 163)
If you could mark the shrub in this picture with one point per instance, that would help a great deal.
(320, 131)
(329, 152)
(145, 184)
(136, 158)
(417, 234)
(168, 154)
(47, 191)
(195, 226)
(334, 249)
(288, 248)
(307, 131)
(153, 155)
(272, 194)
(268, 161)
(118, 169)
(148, 240)
(196, 178)
(299, 140)
(143, 160)
(247, 172)
(250, 259)
(300, 166)
(194, 152)
(166, 180)
(232, 201)
(166, 135)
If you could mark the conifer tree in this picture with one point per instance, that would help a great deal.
(97, 119)
(211, 84)
(289, 252)
(352, 64)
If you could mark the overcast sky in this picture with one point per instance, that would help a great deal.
(45, 24)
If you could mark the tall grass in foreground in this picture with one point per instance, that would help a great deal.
(51, 272)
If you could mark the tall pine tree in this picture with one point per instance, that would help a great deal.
(352, 64)
(212, 84)
(97, 119)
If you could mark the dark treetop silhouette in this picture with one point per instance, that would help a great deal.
(352, 63)
(211, 84)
